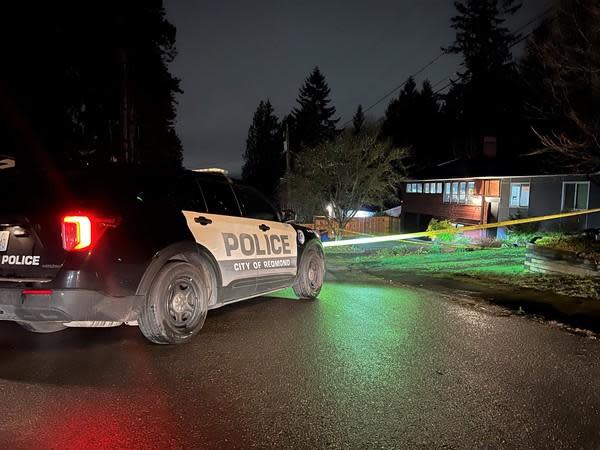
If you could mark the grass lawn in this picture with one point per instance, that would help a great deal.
(499, 261)
(494, 265)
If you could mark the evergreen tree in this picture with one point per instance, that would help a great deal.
(358, 120)
(90, 84)
(314, 122)
(263, 159)
(414, 121)
(481, 37)
(398, 123)
(486, 97)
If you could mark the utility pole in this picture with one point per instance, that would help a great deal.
(286, 148)
(127, 123)
(124, 147)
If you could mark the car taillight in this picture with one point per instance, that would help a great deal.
(82, 232)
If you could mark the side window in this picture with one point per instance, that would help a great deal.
(255, 205)
(575, 195)
(462, 192)
(447, 192)
(454, 197)
(519, 195)
(187, 195)
(219, 198)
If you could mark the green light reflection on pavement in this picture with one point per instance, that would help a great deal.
(367, 346)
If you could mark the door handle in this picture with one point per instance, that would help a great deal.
(202, 220)
(263, 227)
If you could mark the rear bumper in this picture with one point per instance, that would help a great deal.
(68, 305)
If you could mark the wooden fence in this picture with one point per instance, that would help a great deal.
(378, 225)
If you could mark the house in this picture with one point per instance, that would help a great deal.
(472, 200)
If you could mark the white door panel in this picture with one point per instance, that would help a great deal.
(242, 249)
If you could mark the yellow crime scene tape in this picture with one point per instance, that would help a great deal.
(506, 223)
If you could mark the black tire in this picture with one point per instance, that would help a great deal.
(176, 303)
(43, 327)
(311, 273)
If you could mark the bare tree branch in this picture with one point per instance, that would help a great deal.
(347, 173)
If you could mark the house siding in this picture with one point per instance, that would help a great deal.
(545, 197)
(593, 220)
(434, 206)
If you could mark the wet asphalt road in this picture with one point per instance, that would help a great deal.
(366, 366)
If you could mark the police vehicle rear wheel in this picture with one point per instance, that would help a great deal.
(310, 273)
(176, 304)
(43, 327)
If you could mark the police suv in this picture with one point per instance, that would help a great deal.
(149, 248)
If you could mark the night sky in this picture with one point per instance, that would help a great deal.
(232, 54)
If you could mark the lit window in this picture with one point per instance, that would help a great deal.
(419, 187)
(519, 195)
(447, 192)
(409, 188)
(454, 197)
(427, 188)
(439, 188)
(462, 192)
(470, 188)
(575, 195)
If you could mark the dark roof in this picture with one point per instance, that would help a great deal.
(483, 167)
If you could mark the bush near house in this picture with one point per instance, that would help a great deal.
(520, 239)
(441, 224)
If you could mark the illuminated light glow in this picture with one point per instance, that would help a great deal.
(485, 226)
(37, 292)
(77, 232)
(329, 209)
(82, 231)
(212, 170)
(362, 213)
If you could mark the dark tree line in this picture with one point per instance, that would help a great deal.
(87, 83)
(311, 123)
(414, 120)
(540, 112)
(484, 102)
(263, 157)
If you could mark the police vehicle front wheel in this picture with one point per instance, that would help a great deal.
(176, 304)
(310, 273)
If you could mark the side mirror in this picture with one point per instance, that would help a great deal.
(288, 216)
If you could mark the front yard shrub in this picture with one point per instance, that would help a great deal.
(581, 244)
(401, 250)
(436, 225)
(520, 239)
(488, 242)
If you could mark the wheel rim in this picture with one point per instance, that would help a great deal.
(183, 303)
(314, 273)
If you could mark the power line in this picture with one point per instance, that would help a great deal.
(516, 42)
(422, 69)
(535, 19)
(434, 60)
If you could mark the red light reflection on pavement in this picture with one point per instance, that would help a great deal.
(135, 416)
